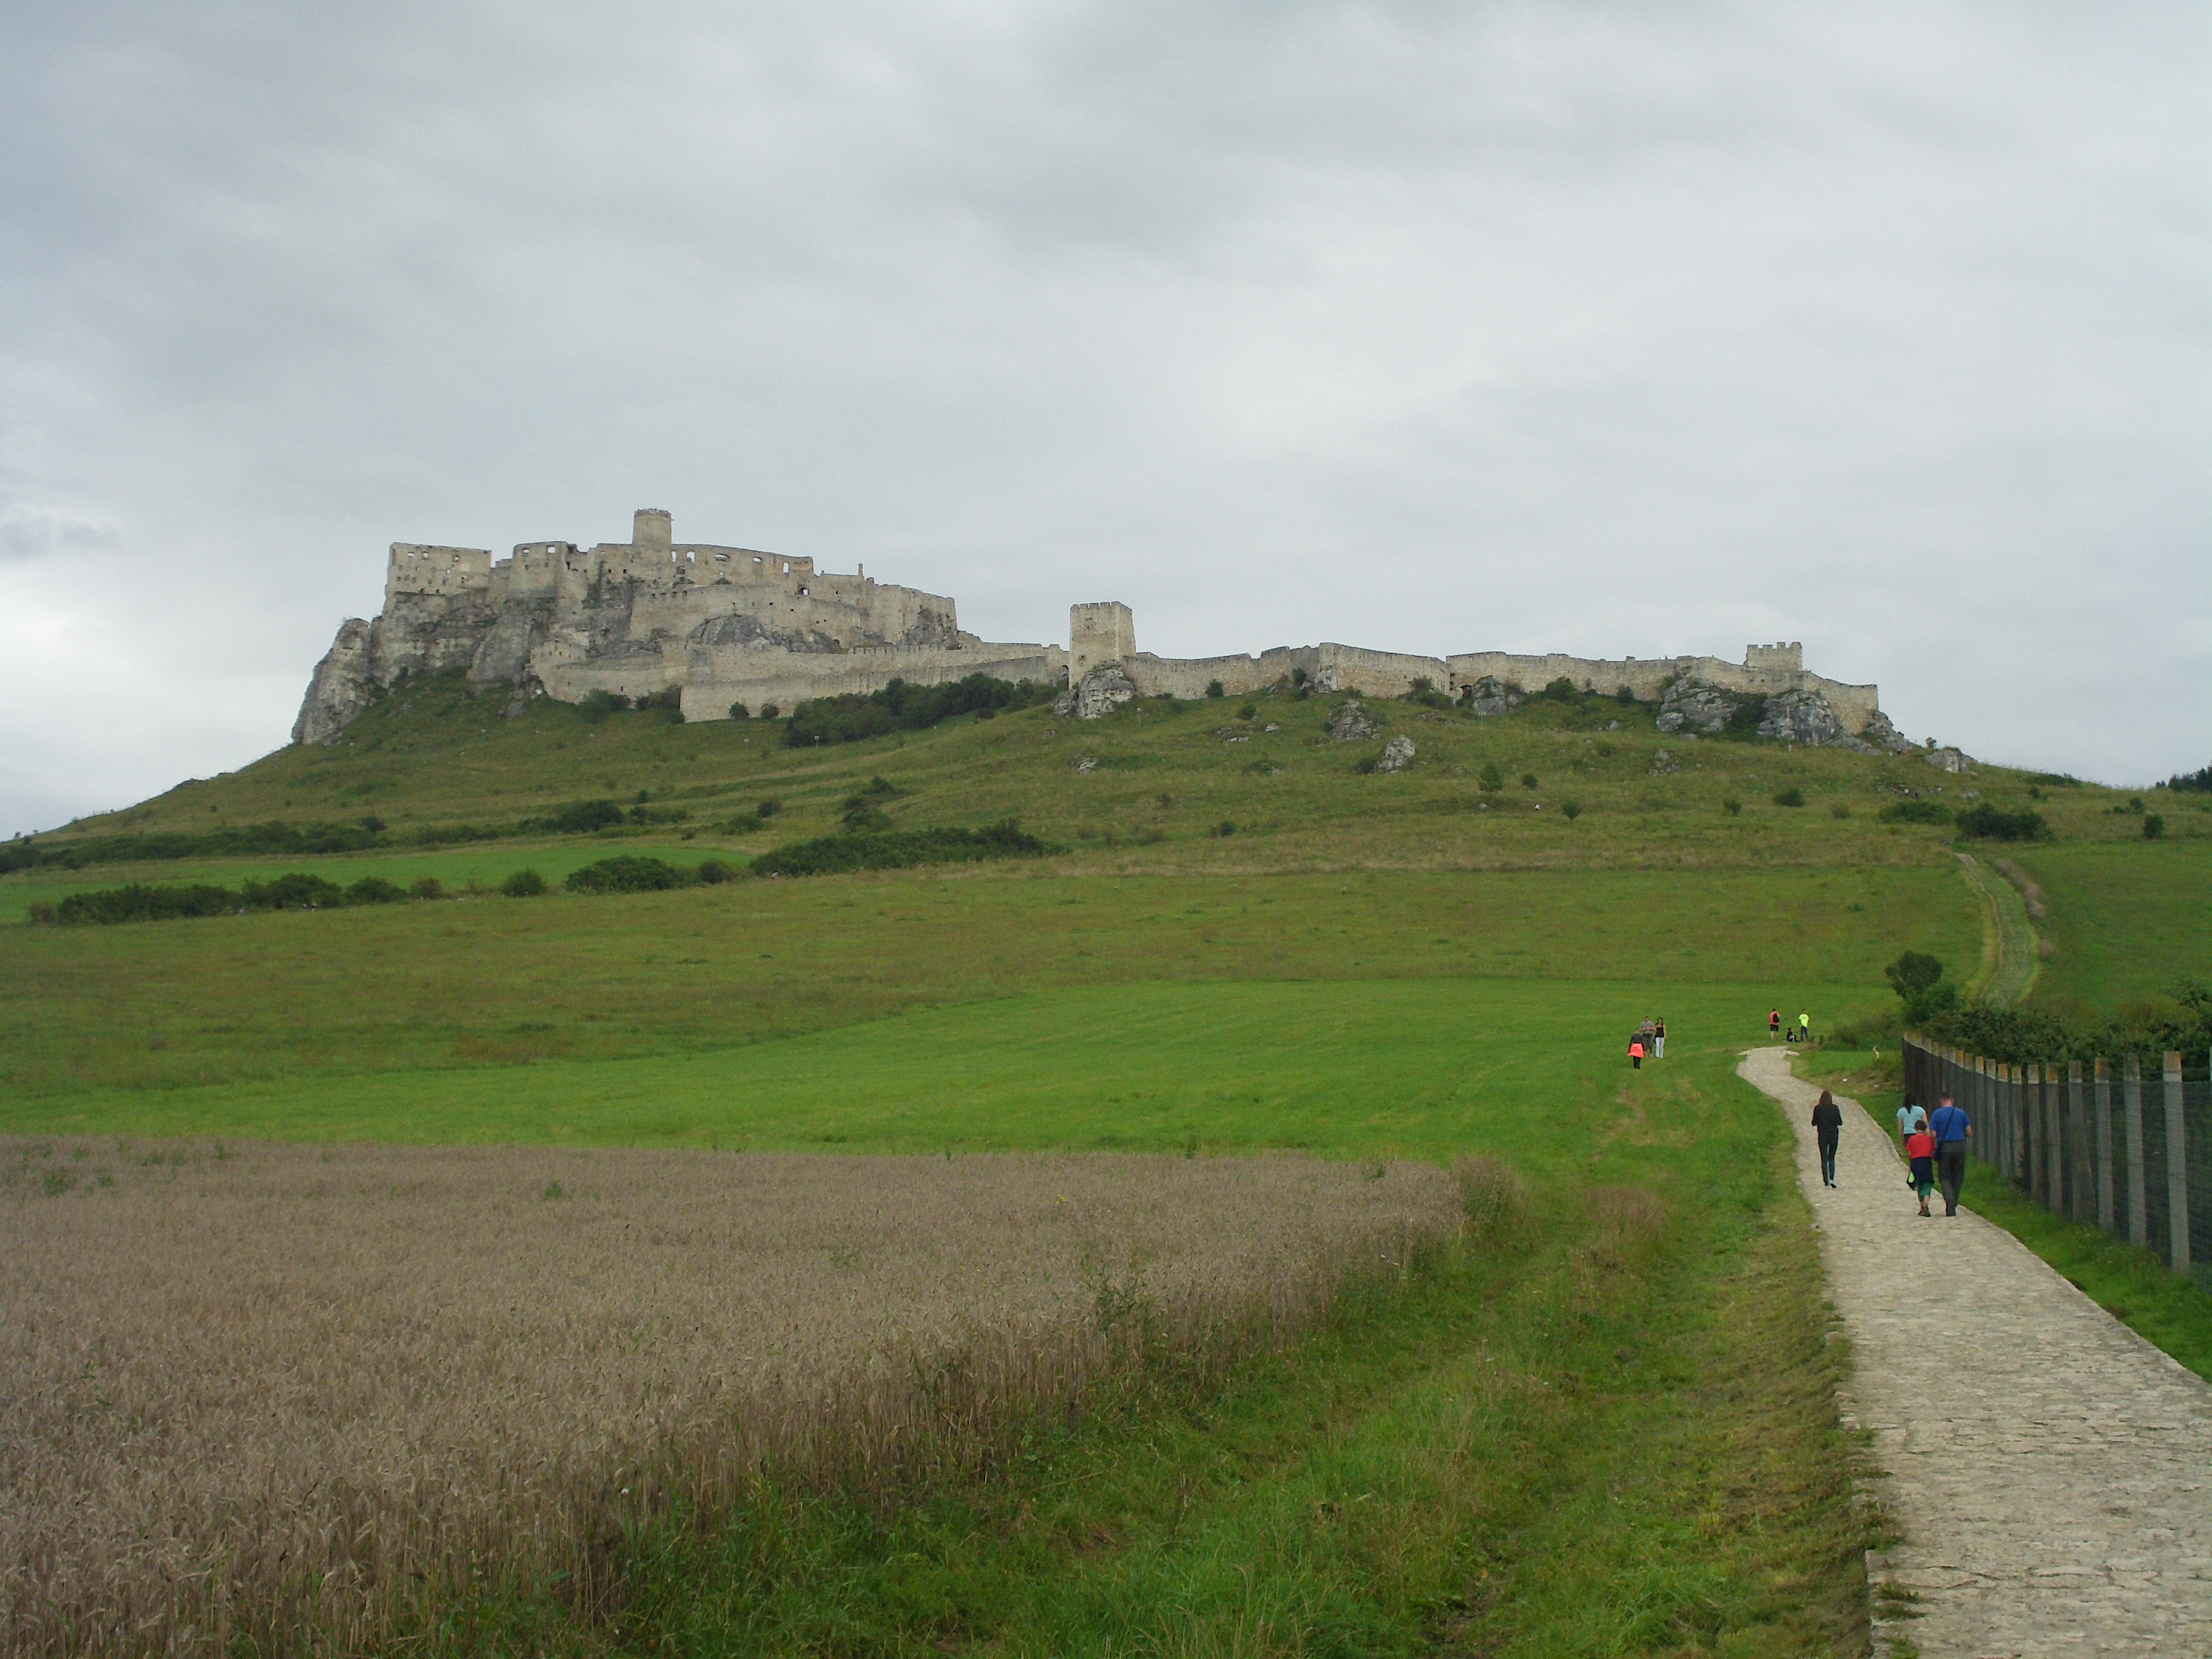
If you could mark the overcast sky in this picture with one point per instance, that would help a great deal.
(1610, 329)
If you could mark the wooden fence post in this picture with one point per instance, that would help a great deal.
(2103, 1134)
(2131, 1110)
(2078, 1176)
(2055, 1131)
(2177, 1168)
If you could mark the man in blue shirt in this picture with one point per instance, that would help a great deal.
(1952, 1131)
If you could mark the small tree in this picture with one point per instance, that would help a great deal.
(2153, 826)
(1572, 808)
(739, 712)
(523, 884)
(1917, 979)
(1213, 688)
(1491, 777)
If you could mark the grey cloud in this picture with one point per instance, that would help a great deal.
(1600, 326)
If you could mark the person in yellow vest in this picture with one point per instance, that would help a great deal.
(1804, 1028)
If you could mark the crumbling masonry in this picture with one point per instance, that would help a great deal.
(731, 627)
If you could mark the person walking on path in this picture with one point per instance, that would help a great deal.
(1952, 1129)
(1659, 1039)
(1636, 1052)
(1909, 1118)
(1920, 1147)
(1828, 1128)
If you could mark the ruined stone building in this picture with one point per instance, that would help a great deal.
(733, 627)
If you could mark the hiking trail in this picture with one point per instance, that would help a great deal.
(2048, 1472)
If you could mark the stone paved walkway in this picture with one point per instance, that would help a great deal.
(2051, 1472)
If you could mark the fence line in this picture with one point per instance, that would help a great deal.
(2142, 1172)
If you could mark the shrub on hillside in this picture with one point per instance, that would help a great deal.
(897, 850)
(523, 884)
(2153, 826)
(626, 873)
(295, 892)
(2196, 782)
(904, 707)
(1731, 806)
(1490, 777)
(739, 712)
(596, 706)
(1215, 688)
(1916, 812)
(578, 818)
(374, 890)
(1745, 722)
(428, 887)
(1986, 822)
(136, 903)
(769, 711)
(1572, 808)
(1527, 780)
(1917, 979)
(1792, 796)
(1562, 690)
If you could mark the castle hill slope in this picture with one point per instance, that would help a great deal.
(1330, 873)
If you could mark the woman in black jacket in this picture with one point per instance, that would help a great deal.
(1828, 1129)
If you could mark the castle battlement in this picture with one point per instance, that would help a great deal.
(730, 627)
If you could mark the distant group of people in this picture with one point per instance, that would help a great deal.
(1799, 1031)
(1649, 1042)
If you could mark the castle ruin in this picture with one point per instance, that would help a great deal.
(730, 629)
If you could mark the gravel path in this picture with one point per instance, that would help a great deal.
(2049, 1471)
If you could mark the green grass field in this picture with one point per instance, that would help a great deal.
(2127, 919)
(1587, 1435)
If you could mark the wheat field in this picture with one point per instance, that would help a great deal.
(303, 1395)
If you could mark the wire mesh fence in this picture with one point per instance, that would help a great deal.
(2125, 1145)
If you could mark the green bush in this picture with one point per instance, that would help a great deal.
(768, 808)
(1625, 697)
(1527, 780)
(1490, 777)
(1985, 823)
(739, 712)
(1792, 796)
(294, 892)
(523, 884)
(374, 890)
(1915, 811)
(428, 887)
(596, 706)
(769, 711)
(626, 873)
(1226, 827)
(1572, 808)
(2154, 827)
(1214, 689)
(1745, 722)
(904, 707)
(1562, 690)
(898, 848)
(1731, 806)
(1249, 711)
(713, 873)
(136, 903)
(578, 818)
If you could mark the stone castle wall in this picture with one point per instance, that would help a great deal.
(732, 625)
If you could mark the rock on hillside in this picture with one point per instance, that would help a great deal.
(1797, 716)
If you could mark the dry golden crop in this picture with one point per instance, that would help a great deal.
(303, 1394)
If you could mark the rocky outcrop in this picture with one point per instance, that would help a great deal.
(1948, 760)
(342, 686)
(1880, 737)
(1351, 723)
(1491, 695)
(1696, 705)
(1102, 691)
(1397, 755)
(1663, 763)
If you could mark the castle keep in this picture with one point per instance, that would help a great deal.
(733, 627)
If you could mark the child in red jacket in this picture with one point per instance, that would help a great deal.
(1920, 1147)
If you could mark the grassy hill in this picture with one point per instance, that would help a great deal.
(1570, 1439)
